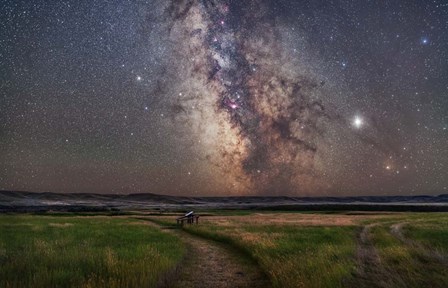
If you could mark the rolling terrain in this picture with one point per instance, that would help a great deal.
(18, 201)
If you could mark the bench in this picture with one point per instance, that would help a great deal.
(189, 218)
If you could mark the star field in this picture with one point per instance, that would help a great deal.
(203, 97)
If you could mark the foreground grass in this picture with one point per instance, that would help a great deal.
(293, 256)
(414, 255)
(407, 264)
(42, 251)
(294, 249)
(431, 232)
(323, 250)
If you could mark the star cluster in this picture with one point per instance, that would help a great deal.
(208, 97)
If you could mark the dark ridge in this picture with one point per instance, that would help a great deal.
(22, 201)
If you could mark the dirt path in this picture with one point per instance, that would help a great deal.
(371, 272)
(209, 264)
(397, 231)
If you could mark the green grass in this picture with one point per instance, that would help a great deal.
(104, 251)
(45, 251)
(432, 233)
(292, 256)
(326, 256)
(406, 262)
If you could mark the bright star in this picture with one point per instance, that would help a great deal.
(139, 78)
(358, 122)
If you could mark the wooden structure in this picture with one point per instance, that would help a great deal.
(189, 218)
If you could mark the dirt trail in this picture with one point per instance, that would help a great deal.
(397, 231)
(371, 272)
(209, 264)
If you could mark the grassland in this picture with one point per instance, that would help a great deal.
(413, 250)
(45, 251)
(339, 250)
(295, 249)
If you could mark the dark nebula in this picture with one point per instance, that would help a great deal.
(269, 114)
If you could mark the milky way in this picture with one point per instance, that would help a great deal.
(225, 97)
(258, 122)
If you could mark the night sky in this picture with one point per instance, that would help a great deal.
(224, 97)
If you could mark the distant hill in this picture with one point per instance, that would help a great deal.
(11, 201)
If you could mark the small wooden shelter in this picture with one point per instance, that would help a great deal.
(189, 218)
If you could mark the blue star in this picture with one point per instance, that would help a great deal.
(425, 41)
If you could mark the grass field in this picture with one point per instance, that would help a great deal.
(43, 251)
(317, 249)
(339, 250)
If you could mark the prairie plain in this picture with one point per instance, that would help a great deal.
(89, 251)
(337, 249)
(253, 248)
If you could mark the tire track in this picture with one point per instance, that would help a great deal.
(397, 231)
(370, 271)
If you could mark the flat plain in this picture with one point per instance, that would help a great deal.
(92, 251)
(337, 249)
(259, 249)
